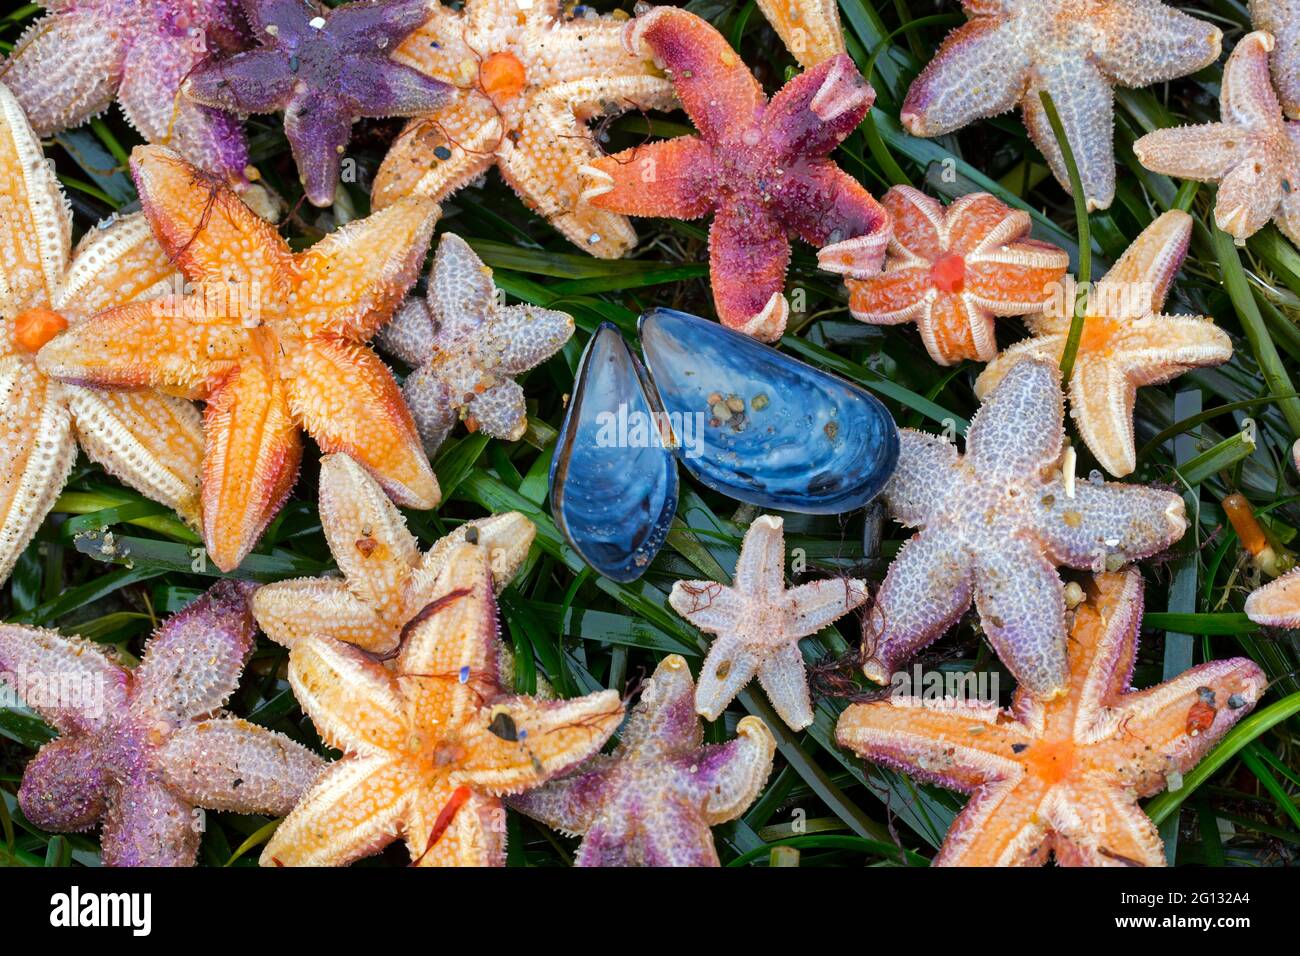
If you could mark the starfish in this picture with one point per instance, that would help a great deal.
(761, 167)
(1126, 342)
(1276, 604)
(1282, 19)
(1063, 776)
(466, 347)
(952, 271)
(1011, 50)
(996, 523)
(1254, 154)
(140, 749)
(527, 82)
(430, 748)
(272, 340)
(71, 64)
(325, 69)
(759, 624)
(810, 29)
(651, 802)
(386, 582)
(152, 442)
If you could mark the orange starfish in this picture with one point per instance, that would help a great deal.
(430, 748)
(1063, 776)
(952, 271)
(272, 340)
(810, 29)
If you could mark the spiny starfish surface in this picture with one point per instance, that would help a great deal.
(1076, 50)
(951, 271)
(325, 69)
(761, 167)
(1253, 154)
(1282, 19)
(759, 624)
(527, 81)
(150, 441)
(810, 29)
(73, 62)
(995, 525)
(386, 582)
(139, 750)
(466, 347)
(1276, 604)
(430, 748)
(651, 802)
(272, 340)
(1063, 776)
(1126, 341)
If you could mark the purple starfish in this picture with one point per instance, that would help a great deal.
(141, 749)
(73, 62)
(325, 69)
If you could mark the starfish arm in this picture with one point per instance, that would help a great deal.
(379, 87)
(1038, 348)
(1158, 348)
(455, 826)
(978, 223)
(573, 804)
(408, 336)
(272, 17)
(895, 296)
(115, 263)
(1100, 522)
(356, 808)
(318, 127)
(920, 229)
(1103, 648)
(1251, 193)
(254, 81)
(712, 607)
(825, 206)
(462, 295)
(1246, 96)
(1141, 42)
(810, 29)
(506, 538)
(729, 666)
(353, 700)
(815, 605)
(1205, 153)
(1138, 283)
(429, 399)
(672, 178)
(148, 824)
(1101, 400)
(1287, 216)
(784, 679)
(1019, 427)
(999, 826)
(526, 336)
(591, 49)
(1017, 278)
(31, 655)
(955, 328)
(726, 778)
(815, 111)
(921, 482)
(668, 833)
(64, 787)
(1282, 19)
(760, 568)
(748, 256)
(288, 611)
(663, 721)
(1103, 825)
(1276, 604)
(237, 766)
(367, 28)
(436, 156)
(1084, 99)
(499, 412)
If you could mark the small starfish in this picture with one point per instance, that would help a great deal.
(1254, 154)
(761, 167)
(1126, 342)
(1276, 604)
(952, 271)
(139, 750)
(527, 82)
(151, 442)
(325, 69)
(996, 523)
(272, 340)
(1011, 50)
(651, 802)
(73, 62)
(759, 624)
(430, 748)
(466, 347)
(810, 29)
(1282, 19)
(1063, 776)
(386, 582)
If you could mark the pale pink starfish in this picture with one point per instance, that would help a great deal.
(1282, 19)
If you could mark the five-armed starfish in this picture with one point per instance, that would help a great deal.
(1063, 777)
(466, 349)
(72, 62)
(141, 749)
(150, 441)
(810, 29)
(1254, 154)
(952, 271)
(429, 748)
(325, 69)
(1282, 19)
(996, 523)
(651, 802)
(762, 168)
(1011, 50)
(272, 340)
(386, 582)
(759, 624)
(1126, 342)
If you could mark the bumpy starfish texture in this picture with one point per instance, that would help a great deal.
(325, 69)
(272, 340)
(1282, 19)
(1253, 154)
(73, 62)
(1126, 342)
(810, 29)
(951, 271)
(527, 81)
(429, 748)
(466, 348)
(1063, 777)
(761, 167)
(139, 750)
(759, 623)
(386, 581)
(651, 802)
(152, 442)
(1011, 50)
(1276, 604)
(995, 525)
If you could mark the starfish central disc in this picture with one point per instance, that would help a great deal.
(34, 327)
(502, 76)
(948, 274)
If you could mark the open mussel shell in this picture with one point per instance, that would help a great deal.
(613, 481)
(761, 427)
